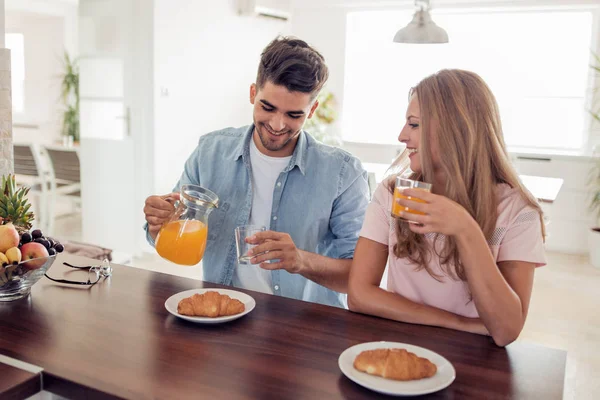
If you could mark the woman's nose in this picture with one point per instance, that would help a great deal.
(404, 136)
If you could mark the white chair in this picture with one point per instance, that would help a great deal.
(372, 181)
(30, 172)
(65, 179)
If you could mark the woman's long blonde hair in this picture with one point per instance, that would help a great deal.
(472, 155)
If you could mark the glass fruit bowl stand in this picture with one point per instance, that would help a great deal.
(24, 259)
(25, 255)
(16, 280)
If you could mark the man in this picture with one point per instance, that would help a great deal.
(310, 196)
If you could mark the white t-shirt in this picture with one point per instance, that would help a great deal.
(265, 172)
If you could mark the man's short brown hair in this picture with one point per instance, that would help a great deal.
(292, 63)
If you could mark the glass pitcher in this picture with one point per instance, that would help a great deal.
(182, 239)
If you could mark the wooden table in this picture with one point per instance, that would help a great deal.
(16, 383)
(117, 339)
(543, 188)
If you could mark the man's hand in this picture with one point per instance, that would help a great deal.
(158, 210)
(278, 246)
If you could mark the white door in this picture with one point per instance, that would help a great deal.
(114, 84)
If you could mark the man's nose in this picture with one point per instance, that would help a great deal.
(277, 123)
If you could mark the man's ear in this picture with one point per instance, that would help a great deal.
(313, 108)
(252, 93)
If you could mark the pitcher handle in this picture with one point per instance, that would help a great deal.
(173, 201)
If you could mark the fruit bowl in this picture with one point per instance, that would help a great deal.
(16, 280)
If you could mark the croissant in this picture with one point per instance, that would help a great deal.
(210, 304)
(397, 364)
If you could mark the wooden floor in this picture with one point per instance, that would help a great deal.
(565, 314)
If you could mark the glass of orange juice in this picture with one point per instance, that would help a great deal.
(182, 239)
(404, 183)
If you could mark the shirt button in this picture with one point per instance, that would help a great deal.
(276, 287)
(278, 184)
(275, 218)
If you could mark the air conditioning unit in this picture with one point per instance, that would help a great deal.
(279, 9)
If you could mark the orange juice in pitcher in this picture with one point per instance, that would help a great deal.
(182, 239)
(182, 242)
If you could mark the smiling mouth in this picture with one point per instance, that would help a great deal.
(274, 133)
(412, 152)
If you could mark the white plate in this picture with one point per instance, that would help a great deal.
(173, 301)
(443, 378)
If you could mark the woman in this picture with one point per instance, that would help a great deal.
(468, 262)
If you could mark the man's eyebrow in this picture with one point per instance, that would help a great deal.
(266, 103)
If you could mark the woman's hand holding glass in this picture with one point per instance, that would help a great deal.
(441, 215)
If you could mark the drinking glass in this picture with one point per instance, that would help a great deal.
(241, 233)
(405, 183)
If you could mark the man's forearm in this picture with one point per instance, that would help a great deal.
(332, 273)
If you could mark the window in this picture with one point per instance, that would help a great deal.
(538, 75)
(15, 42)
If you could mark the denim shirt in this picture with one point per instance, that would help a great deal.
(319, 199)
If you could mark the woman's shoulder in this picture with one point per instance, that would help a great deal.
(513, 205)
(383, 193)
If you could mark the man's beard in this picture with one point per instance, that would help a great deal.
(268, 143)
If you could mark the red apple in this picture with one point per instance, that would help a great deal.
(9, 237)
(34, 255)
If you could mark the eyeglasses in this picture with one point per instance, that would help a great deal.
(95, 273)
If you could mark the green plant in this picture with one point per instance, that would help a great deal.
(70, 98)
(324, 115)
(14, 205)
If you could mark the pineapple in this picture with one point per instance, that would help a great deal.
(14, 206)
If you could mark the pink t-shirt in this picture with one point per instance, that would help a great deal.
(517, 237)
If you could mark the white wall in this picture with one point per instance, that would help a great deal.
(119, 34)
(48, 39)
(206, 57)
(325, 29)
(569, 217)
(6, 150)
(44, 46)
(2, 24)
(142, 121)
(594, 142)
(67, 9)
(323, 24)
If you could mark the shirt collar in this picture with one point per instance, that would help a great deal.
(298, 157)
(243, 148)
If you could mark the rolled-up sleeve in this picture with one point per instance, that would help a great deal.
(376, 226)
(349, 209)
(523, 240)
